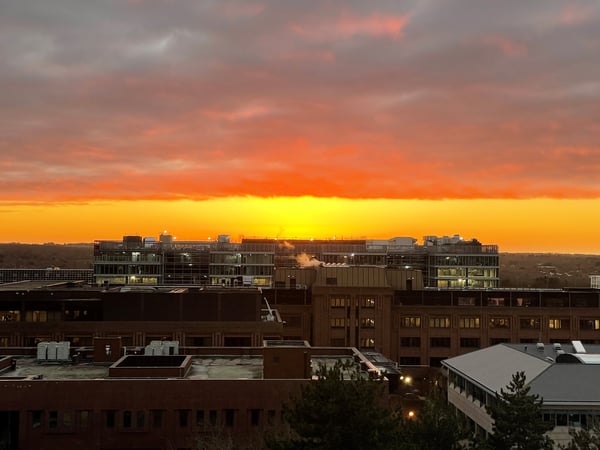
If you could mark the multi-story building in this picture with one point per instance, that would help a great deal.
(112, 398)
(455, 263)
(371, 308)
(447, 262)
(564, 376)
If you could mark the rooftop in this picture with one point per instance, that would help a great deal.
(203, 367)
(565, 373)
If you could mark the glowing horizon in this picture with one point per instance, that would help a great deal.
(507, 223)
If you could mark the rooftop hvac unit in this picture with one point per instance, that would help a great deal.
(51, 351)
(540, 346)
(63, 350)
(557, 346)
(42, 351)
(162, 348)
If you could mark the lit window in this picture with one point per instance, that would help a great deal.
(530, 324)
(367, 343)
(367, 323)
(469, 322)
(338, 322)
(410, 322)
(439, 322)
(499, 322)
(338, 302)
(590, 324)
(555, 324)
(368, 302)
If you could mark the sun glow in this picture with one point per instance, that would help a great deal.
(543, 225)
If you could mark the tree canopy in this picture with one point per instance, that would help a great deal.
(517, 416)
(340, 410)
(435, 427)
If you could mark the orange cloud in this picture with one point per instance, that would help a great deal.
(348, 25)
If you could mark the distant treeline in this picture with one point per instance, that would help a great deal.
(41, 256)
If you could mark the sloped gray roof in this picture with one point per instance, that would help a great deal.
(568, 384)
(492, 368)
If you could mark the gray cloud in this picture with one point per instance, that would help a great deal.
(143, 98)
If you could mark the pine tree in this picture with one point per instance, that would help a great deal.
(435, 427)
(335, 412)
(518, 419)
(585, 439)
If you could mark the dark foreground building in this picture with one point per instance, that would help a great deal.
(160, 402)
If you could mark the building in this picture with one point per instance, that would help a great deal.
(446, 262)
(31, 313)
(564, 375)
(114, 399)
(371, 308)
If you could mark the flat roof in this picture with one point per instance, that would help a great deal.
(204, 367)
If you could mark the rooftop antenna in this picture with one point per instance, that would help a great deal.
(270, 315)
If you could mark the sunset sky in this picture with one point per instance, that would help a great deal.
(301, 119)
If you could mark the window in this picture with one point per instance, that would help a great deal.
(109, 418)
(367, 302)
(367, 343)
(338, 302)
(531, 323)
(495, 301)
(439, 322)
(200, 418)
(440, 342)
(410, 322)
(338, 322)
(36, 419)
(157, 418)
(589, 324)
(520, 301)
(367, 323)
(466, 301)
(36, 316)
(409, 360)
(410, 341)
(557, 324)
(67, 419)
(52, 419)
(255, 417)
(469, 342)
(499, 322)
(84, 419)
(183, 417)
(140, 419)
(229, 417)
(126, 419)
(212, 417)
(469, 322)
(331, 281)
(10, 316)
(496, 341)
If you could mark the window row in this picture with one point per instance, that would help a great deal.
(444, 342)
(340, 322)
(527, 323)
(342, 302)
(142, 420)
